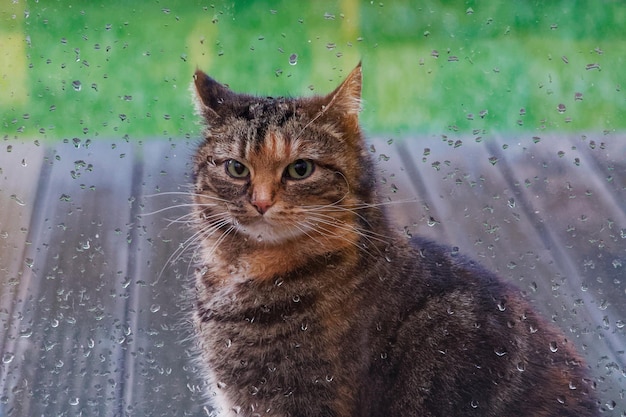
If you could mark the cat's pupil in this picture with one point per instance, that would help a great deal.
(236, 169)
(300, 167)
(239, 168)
(299, 170)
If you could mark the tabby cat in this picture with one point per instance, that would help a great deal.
(309, 303)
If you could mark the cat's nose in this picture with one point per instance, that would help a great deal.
(262, 205)
(262, 197)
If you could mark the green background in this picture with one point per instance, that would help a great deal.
(117, 69)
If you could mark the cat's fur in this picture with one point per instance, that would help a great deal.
(310, 304)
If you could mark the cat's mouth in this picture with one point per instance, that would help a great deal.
(267, 230)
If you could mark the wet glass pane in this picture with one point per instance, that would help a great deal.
(498, 129)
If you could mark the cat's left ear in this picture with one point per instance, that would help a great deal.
(345, 101)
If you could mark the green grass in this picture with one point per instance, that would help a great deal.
(134, 63)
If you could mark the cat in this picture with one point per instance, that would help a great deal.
(310, 303)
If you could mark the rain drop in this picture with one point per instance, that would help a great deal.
(293, 59)
(511, 202)
(18, 200)
(553, 347)
(77, 85)
(500, 351)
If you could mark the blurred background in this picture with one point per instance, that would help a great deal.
(90, 69)
(500, 125)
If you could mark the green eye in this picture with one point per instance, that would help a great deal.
(236, 169)
(299, 169)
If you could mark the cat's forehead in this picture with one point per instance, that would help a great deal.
(267, 111)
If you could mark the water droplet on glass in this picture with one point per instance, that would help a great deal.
(8, 357)
(18, 200)
(293, 59)
(511, 202)
(561, 108)
(553, 347)
(500, 351)
(432, 222)
(77, 85)
(493, 160)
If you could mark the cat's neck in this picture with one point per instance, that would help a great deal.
(263, 261)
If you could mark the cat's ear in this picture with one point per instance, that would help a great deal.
(213, 100)
(343, 104)
(346, 99)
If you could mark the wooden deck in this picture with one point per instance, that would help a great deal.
(92, 314)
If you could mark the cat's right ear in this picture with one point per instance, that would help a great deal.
(212, 98)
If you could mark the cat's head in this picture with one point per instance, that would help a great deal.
(280, 169)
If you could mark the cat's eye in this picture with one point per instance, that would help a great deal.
(299, 170)
(236, 169)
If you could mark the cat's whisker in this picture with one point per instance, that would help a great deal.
(152, 213)
(186, 194)
(203, 233)
(370, 233)
(305, 230)
(219, 240)
(325, 232)
(365, 234)
(361, 206)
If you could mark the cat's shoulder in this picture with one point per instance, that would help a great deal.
(447, 269)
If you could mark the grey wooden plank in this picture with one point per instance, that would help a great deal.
(162, 306)
(20, 164)
(71, 327)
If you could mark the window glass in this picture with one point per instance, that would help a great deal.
(498, 129)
